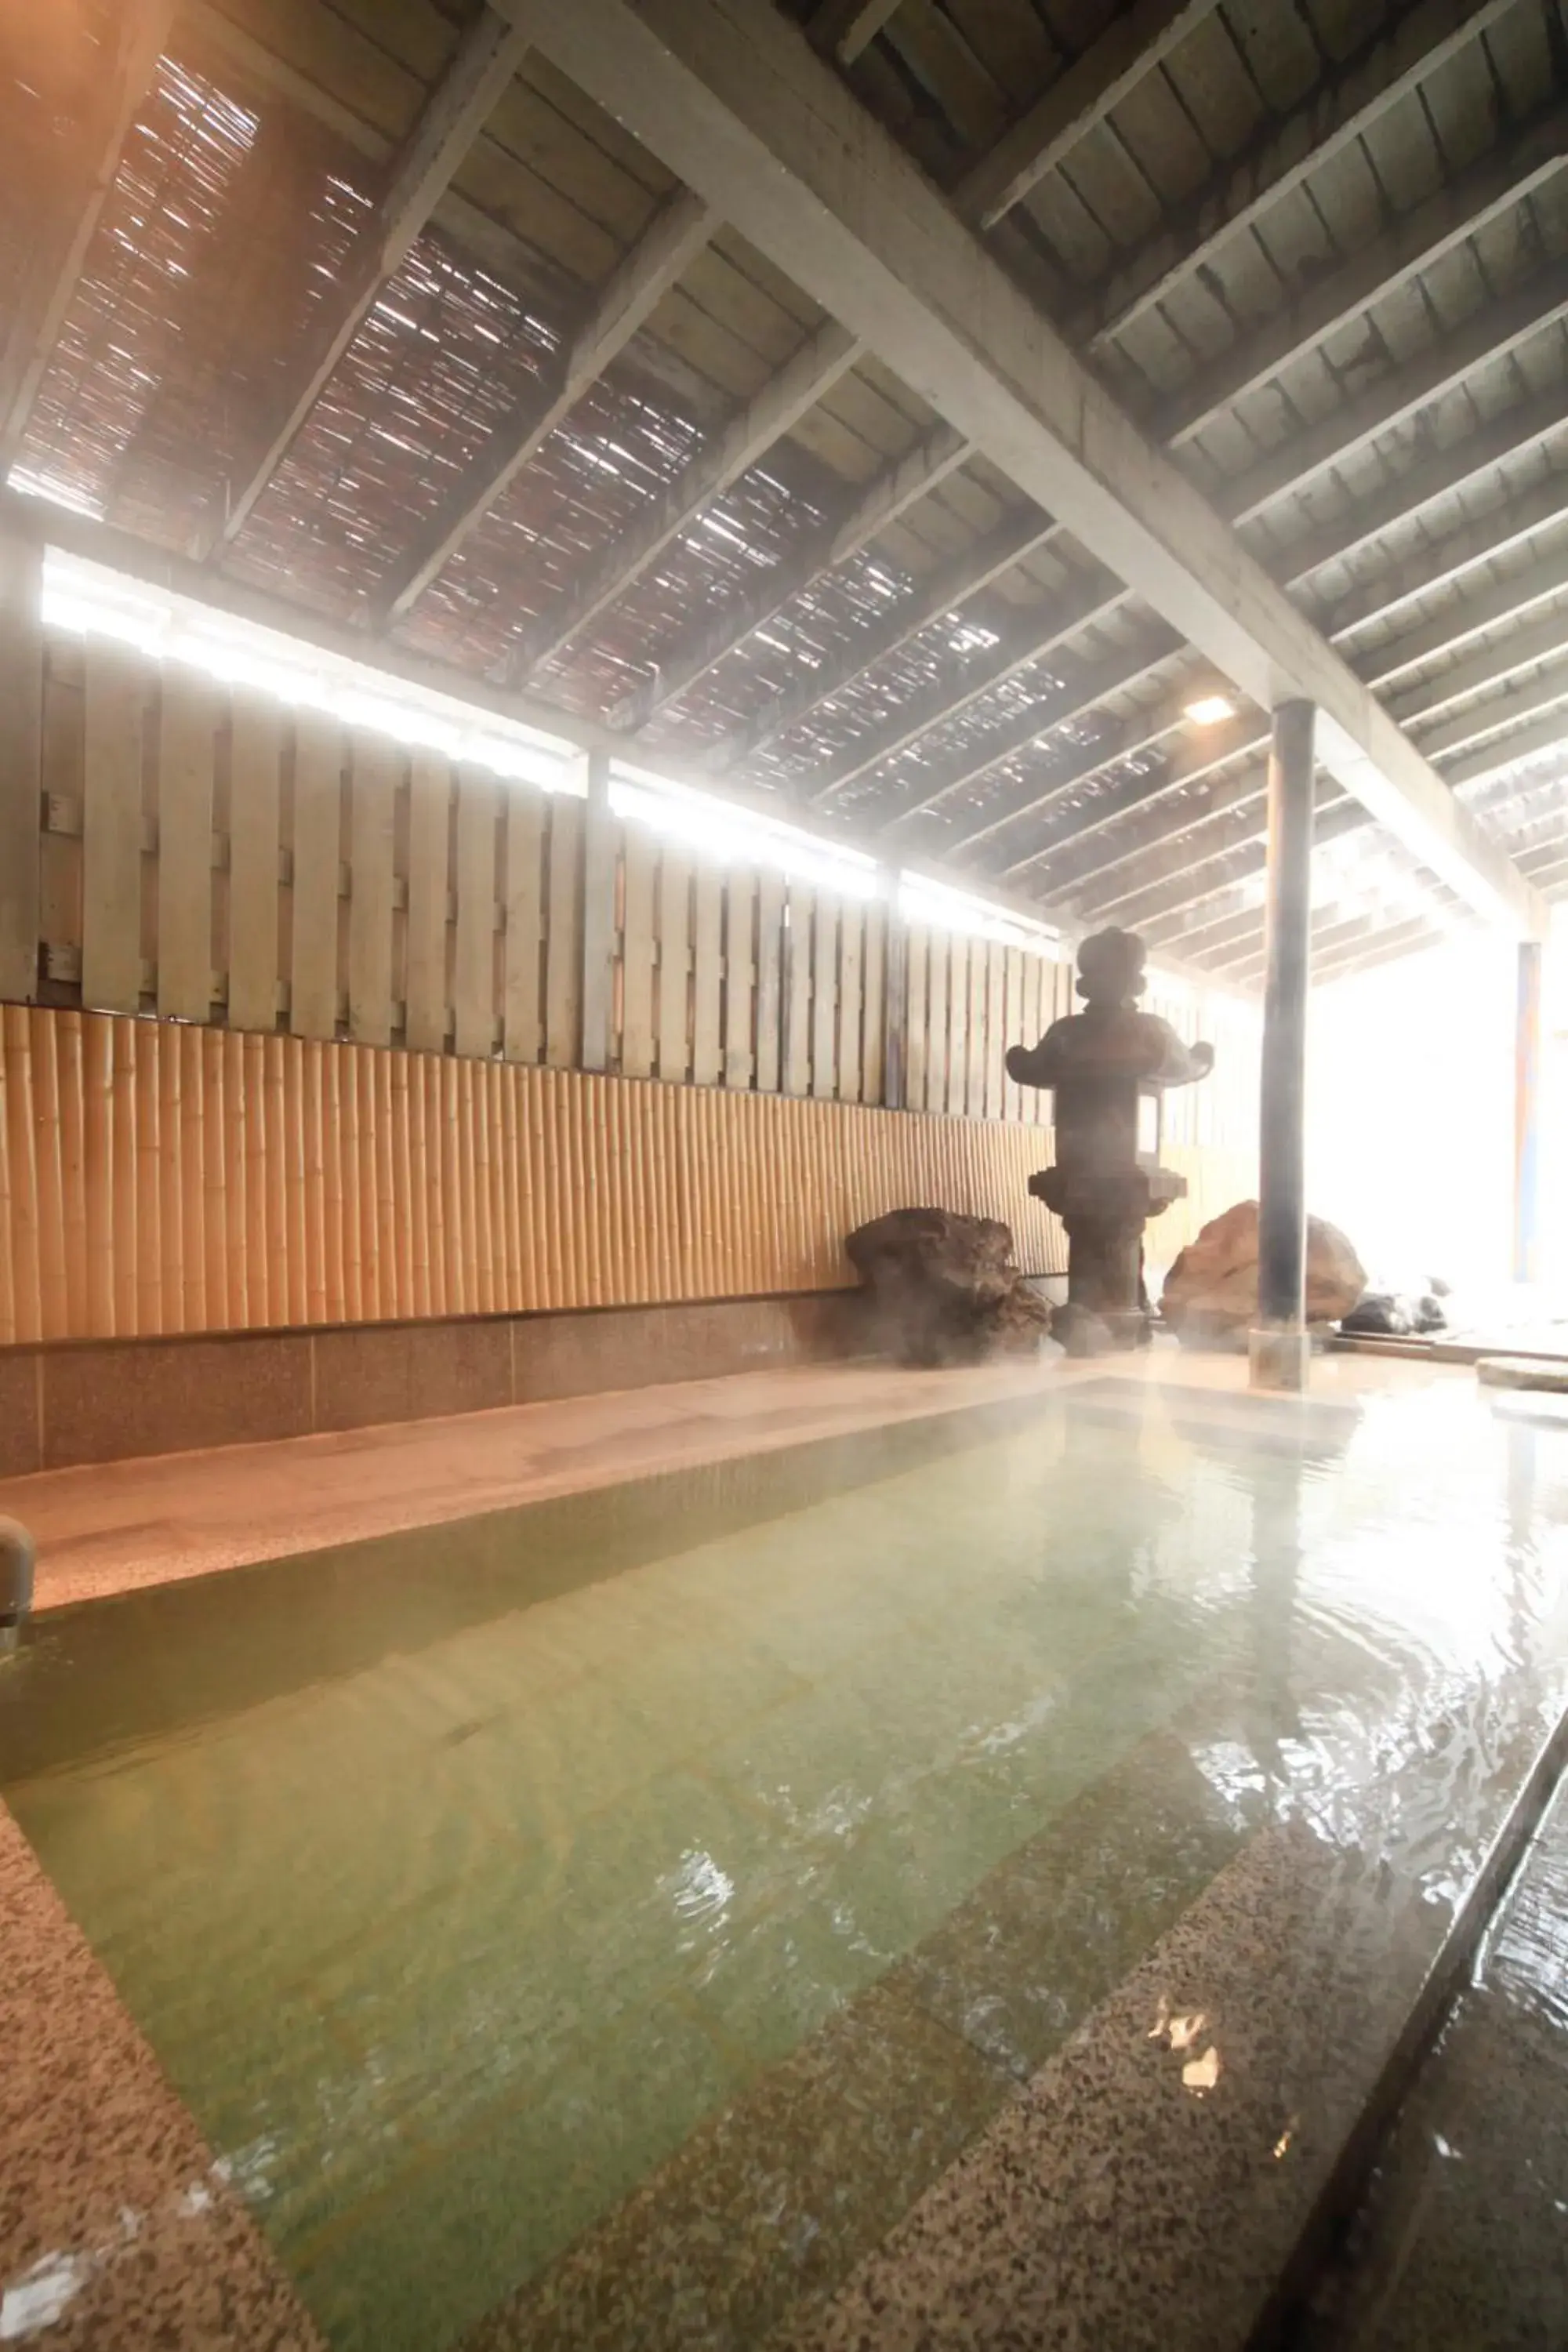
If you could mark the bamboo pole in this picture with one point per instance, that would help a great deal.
(334, 1217)
(23, 1235)
(284, 1062)
(419, 1185)
(214, 1204)
(400, 1069)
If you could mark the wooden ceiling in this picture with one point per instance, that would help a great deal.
(362, 307)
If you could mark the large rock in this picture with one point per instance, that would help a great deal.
(943, 1289)
(1211, 1292)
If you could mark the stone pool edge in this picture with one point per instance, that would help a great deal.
(118, 2226)
(1113, 2203)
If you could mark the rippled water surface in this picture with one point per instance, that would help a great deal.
(748, 1833)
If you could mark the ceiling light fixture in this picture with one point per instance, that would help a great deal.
(1209, 709)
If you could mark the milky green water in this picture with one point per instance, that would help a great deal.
(464, 1882)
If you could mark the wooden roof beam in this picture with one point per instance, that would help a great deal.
(1407, 938)
(1482, 721)
(1448, 560)
(52, 270)
(738, 106)
(963, 575)
(1132, 46)
(1495, 757)
(1491, 667)
(1079, 690)
(486, 57)
(900, 485)
(812, 370)
(1422, 486)
(1504, 437)
(1210, 799)
(1173, 879)
(1503, 605)
(1083, 96)
(1488, 335)
(1333, 933)
(1080, 686)
(1417, 239)
(672, 240)
(1283, 155)
(1145, 731)
(843, 28)
(1092, 87)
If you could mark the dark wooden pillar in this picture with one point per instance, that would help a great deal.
(1279, 1345)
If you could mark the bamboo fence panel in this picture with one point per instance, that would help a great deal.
(158, 1176)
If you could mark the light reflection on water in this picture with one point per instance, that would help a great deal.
(457, 1893)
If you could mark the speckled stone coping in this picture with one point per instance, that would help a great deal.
(1548, 1373)
(1157, 2181)
(118, 2232)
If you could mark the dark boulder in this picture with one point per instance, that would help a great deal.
(943, 1289)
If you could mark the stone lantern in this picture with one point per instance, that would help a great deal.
(1109, 1066)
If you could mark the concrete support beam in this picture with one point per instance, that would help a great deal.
(824, 356)
(673, 238)
(68, 217)
(738, 106)
(1356, 95)
(1280, 1348)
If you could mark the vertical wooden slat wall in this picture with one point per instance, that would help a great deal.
(291, 898)
(212, 856)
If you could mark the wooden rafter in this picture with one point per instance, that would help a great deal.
(964, 575)
(1131, 47)
(49, 280)
(784, 399)
(900, 485)
(845, 28)
(1423, 485)
(1285, 153)
(486, 58)
(1419, 239)
(676, 235)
